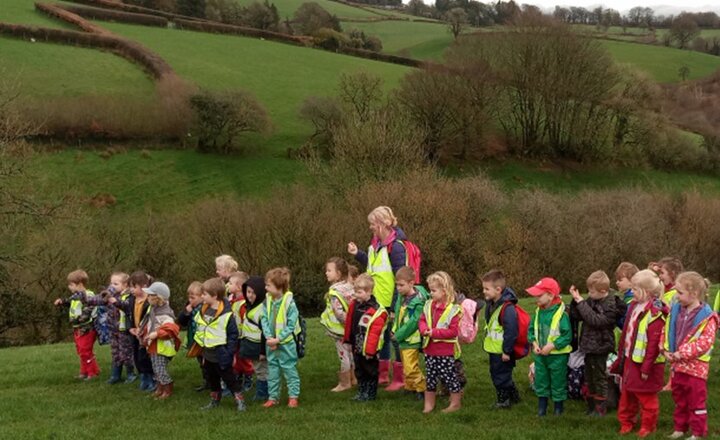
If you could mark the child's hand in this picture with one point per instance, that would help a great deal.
(671, 357)
(505, 357)
(152, 336)
(547, 349)
(368, 357)
(536, 348)
(58, 302)
(261, 357)
(575, 294)
(189, 308)
(273, 342)
(133, 331)
(112, 300)
(352, 248)
(427, 332)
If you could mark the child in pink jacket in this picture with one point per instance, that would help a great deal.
(689, 337)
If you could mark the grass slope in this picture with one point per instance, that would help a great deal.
(23, 12)
(41, 399)
(163, 179)
(286, 8)
(397, 36)
(662, 63)
(46, 69)
(280, 75)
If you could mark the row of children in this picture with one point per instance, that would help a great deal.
(666, 319)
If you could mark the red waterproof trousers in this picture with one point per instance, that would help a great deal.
(648, 405)
(690, 394)
(84, 345)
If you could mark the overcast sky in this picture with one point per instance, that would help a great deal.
(623, 5)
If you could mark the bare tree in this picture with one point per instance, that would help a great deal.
(456, 19)
(683, 30)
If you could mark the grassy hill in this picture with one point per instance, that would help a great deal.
(42, 377)
(286, 8)
(419, 40)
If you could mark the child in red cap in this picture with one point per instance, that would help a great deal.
(550, 335)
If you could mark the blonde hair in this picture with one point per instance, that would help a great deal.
(195, 288)
(78, 277)
(647, 284)
(226, 262)
(384, 215)
(364, 282)
(279, 277)
(626, 270)
(599, 280)
(445, 282)
(239, 276)
(695, 283)
(122, 275)
(160, 302)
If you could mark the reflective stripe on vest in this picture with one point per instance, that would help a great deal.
(443, 323)
(122, 322)
(381, 341)
(380, 269)
(214, 333)
(494, 333)
(281, 317)
(641, 340)
(328, 318)
(554, 332)
(166, 347)
(236, 306)
(400, 320)
(250, 330)
(669, 297)
(707, 355)
(76, 307)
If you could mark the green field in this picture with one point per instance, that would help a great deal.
(286, 8)
(662, 63)
(23, 12)
(41, 399)
(421, 40)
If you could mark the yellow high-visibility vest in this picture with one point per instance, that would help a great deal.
(76, 307)
(554, 332)
(380, 269)
(641, 340)
(250, 330)
(213, 333)
(328, 318)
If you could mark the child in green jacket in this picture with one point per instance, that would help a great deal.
(408, 310)
(550, 335)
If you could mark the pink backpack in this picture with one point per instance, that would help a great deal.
(413, 257)
(468, 324)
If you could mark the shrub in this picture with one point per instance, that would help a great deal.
(330, 39)
(310, 17)
(221, 117)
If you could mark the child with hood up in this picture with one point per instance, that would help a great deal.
(252, 340)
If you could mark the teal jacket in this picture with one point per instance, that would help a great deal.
(544, 321)
(413, 311)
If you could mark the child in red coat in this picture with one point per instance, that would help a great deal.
(364, 327)
(439, 325)
(689, 338)
(639, 361)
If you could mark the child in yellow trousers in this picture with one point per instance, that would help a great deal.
(408, 310)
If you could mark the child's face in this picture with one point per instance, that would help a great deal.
(194, 298)
(437, 293)
(665, 276)
(137, 290)
(491, 291)
(623, 284)
(404, 288)
(272, 289)
(208, 299)
(639, 294)
(117, 283)
(250, 294)
(332, 274)
(544, 300)
(76, 287)
(362, 295)
(235, 286)
(222, 272)
(597, 294)
(684, 296)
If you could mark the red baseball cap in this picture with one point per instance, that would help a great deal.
(545, 285)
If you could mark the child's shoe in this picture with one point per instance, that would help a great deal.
(293, 402)
(214, 401)
(131, 377)
(601, 409)
(384, 372)
(270, 403)
(398, 380)
(590, 410)
(542, 406)
(455, 403)
(430, 397)
(644, 433)
(167, 391)
(90, 377)
(344, 382)
(676, 434)
(261, 390)
(81, 376)
(372, 387)
(115, 372)
(203, 387)
(159, 391)
(361, 395)
(559, 408)
(625, 429)
(692, 437)
(240, 402)
(503, 400)
(514, 396)
(247, 382)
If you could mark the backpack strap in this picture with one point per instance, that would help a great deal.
(502, 311)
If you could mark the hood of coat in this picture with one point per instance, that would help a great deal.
(258, 286)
